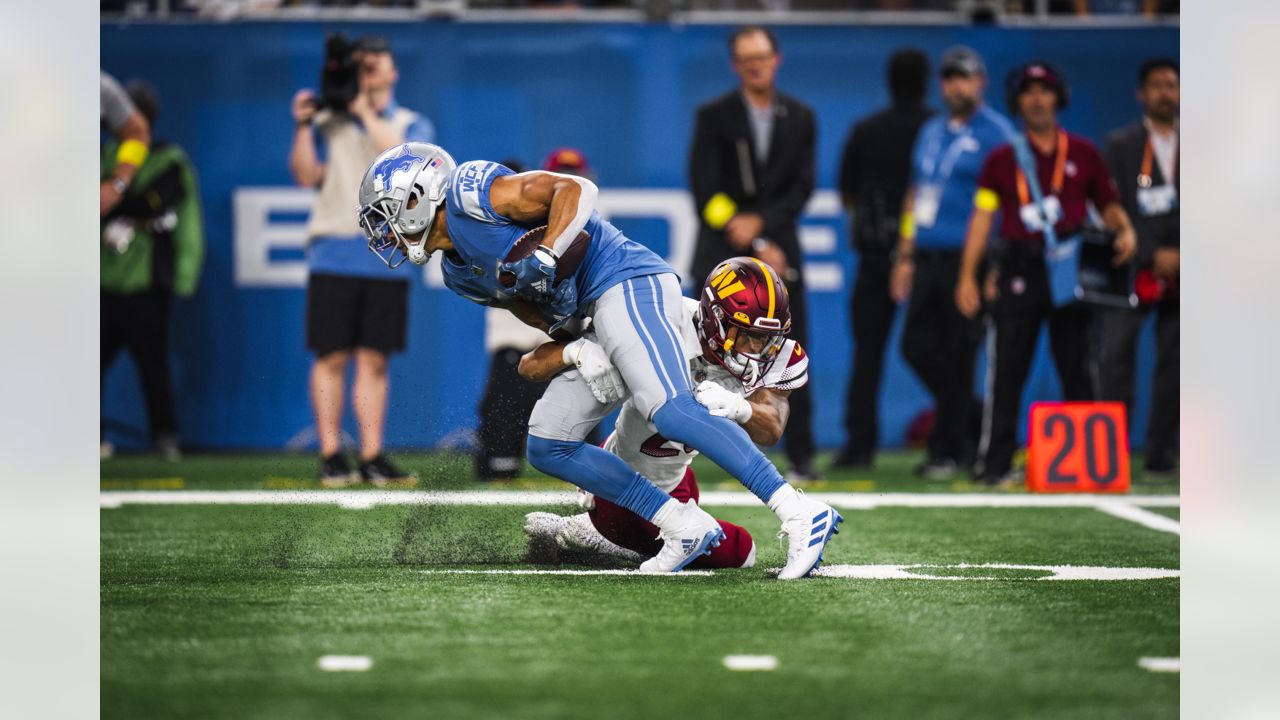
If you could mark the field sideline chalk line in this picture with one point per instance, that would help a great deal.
(1126, 507)
(915, 571)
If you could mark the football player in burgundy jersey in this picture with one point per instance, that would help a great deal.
(735, 338)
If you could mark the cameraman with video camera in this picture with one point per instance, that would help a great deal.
(354, 306)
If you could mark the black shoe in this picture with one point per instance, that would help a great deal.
(801, 473)
(381, 471)
(937, 469)
(335, 472)
(850, 460)
(166, 446)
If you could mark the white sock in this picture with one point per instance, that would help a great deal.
(785, 502)
(666, 514)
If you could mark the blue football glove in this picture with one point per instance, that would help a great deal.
(563, 302)
(535, 274)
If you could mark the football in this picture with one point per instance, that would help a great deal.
(566, 266)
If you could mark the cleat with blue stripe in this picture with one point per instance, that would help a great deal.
(695, 533)
(808, 533)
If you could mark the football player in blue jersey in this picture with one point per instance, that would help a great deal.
(415, 200)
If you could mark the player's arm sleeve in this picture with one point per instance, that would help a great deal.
(783, 211)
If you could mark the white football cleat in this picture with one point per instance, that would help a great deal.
(542, 529)
(578, 534)
(695, 533)
(808, 533)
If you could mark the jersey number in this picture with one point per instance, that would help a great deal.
(655, 447)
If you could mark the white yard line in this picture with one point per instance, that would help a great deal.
(371, 498)
(629, 573)
(344, 663)
(881, 572)
(1133, 513)
(750, 663)
(1161, 664)
(1057, 572)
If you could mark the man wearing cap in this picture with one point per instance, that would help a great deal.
(1071, 174)
(751, 171)
(352, 308)
(937, 341)
(1143, 158)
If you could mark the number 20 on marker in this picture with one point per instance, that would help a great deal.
(1078, 447)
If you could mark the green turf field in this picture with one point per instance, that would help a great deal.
(224, 610)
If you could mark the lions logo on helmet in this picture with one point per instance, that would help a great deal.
(399, 196)
(744, 317)
(383, 171)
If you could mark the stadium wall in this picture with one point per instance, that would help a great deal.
(625, 94)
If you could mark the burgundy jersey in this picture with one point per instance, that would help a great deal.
(1083, 176)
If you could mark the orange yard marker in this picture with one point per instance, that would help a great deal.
(1078, 447)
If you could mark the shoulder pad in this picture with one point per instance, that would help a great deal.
(791, 370)
(469, 189)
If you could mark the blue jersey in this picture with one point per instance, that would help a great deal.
(483, 238)
(945, 164)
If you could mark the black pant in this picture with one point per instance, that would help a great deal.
(1023, 305)
(872, 319)
(940, 343)
(140, 324)
(797, 441)
(1116, 367)
(504, 416)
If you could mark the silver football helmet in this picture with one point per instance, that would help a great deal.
(399, 196)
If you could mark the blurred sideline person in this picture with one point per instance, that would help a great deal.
(508, 398)
(874, 173)
(1071, 173)
(353, 308)
(1143, 158)
(534, 244)
(937, 341)
(123, 121)
(751, 170)
(152, 251)
(759, 403)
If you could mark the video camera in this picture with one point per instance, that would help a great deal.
(340, 74)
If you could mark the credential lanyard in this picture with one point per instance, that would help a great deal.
(1059, 171)
(1026, 173)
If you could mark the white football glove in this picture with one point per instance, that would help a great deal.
(593, 364)
(722, 402)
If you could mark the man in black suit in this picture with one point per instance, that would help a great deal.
(751, 168)
(874, 172)
(1143, 159)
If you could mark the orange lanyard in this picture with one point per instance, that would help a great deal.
(1059, 170)
(1144, 175)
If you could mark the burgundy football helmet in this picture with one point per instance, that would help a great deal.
(744, 317)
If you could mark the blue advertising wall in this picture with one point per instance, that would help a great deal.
(624, 94)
